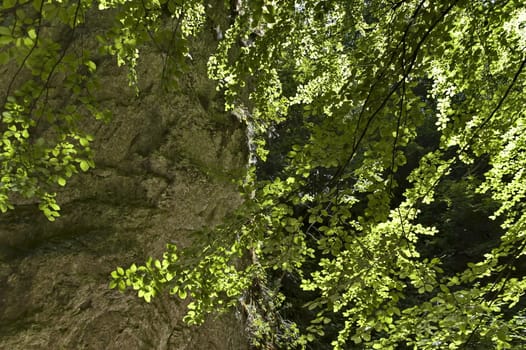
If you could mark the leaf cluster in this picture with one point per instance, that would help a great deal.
(374, 113)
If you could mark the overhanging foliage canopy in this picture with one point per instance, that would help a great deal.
(366, 110)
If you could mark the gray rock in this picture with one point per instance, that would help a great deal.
(164, 168)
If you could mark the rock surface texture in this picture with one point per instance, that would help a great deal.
(164, 166)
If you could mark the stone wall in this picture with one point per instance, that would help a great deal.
(164, 166)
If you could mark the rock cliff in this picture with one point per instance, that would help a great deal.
(164, 166)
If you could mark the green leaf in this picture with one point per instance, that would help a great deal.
(356, 339)
(7, 4)
(92, 67)
(32, 33)
(182, 294)
(4, 57)
(83, 141)
(5, 40)
(133, 268)
(147, 297)
(5, 31)
(54, 206)
(37, 4)
(84, 165)
(158, 264)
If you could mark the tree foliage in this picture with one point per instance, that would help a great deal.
(374, 114)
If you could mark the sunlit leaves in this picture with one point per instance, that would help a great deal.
(358, 82)
(166, 25)
(356, 72)
(42, 144)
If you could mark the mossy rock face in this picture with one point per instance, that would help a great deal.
(165, 166)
